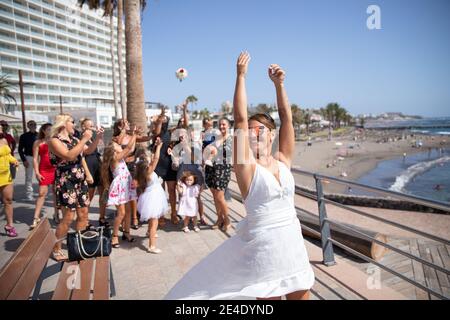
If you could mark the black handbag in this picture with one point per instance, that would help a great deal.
(89, 243)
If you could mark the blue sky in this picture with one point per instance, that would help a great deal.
(327, 50)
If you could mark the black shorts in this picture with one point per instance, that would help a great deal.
(218, 176)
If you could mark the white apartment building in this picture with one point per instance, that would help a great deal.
(61, 50)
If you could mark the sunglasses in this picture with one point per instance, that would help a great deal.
(258, 129)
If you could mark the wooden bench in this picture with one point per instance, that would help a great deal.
(77, 280)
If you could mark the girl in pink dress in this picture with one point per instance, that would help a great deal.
(188, 191)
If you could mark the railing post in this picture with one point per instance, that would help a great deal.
(327, 246)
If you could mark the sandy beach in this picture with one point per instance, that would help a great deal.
(359, 153)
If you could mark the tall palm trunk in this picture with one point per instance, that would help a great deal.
(135, 84)
(113, 65)
(123, 94)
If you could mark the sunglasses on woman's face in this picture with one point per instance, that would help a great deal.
(258, 129)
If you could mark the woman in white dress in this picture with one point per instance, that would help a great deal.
(267, 258)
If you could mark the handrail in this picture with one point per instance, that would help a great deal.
(325, 222)
(416, 199)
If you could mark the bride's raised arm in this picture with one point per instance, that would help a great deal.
(287, 135)
(243, 162)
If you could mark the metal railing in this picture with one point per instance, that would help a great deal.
(327, 241)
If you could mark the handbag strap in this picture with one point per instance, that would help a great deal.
(81, 246)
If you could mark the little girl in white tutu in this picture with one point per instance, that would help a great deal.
(152, 202)
(189, 191)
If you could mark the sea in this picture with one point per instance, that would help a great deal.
(425, 174)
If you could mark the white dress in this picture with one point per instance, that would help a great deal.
(152, 203)
(267, 256)
(188, 206)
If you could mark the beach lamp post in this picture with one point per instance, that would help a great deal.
(60, 104)
(22, 99)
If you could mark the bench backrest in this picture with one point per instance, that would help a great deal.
(20, 274)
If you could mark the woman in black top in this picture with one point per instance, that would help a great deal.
(94, 162)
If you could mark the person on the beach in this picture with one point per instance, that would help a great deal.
(152, 202)
(218, 172)
(267, 258)
(188, 190)
(45, 173)
(119, 183)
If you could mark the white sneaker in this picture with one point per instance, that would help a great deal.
(186, 230)
(154, 250)
(197, 229)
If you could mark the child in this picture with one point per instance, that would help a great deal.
(188, 191)
(120, 189)
(152, 202)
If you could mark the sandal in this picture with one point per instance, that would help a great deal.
(35, 223)
(203, 222)
(59, 256)
(218, 224)
(154, 250)
(115, 245)
(127, 238)
(175, 220)
(136, 225)
(11, 232)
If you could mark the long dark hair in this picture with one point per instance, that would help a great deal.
(41, 134)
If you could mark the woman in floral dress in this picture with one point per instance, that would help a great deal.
(70, 182)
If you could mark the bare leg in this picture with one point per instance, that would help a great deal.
(7, 194)
(171, 186)
(298, 295)
(43, 190)
(63, 226)
(162, 221)
(91, 194)
(101, 202)
(55, 206)
(82, 218)
(185, 222)
(222, 204)
(153, 226)
(117, 221)
(127, 219)
(133, 206)
(200, 206)
(219, 221)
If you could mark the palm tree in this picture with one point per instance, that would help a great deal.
(123, 93)
(307, 119)
(113, 60)
(297, 117)
(191, 99)
(6, 86)
(204, 113)
(133, 40)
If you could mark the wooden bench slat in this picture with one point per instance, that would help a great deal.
(101, 280)
(14, 268)
(30, 275)
(62, 292)
(86, 270)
